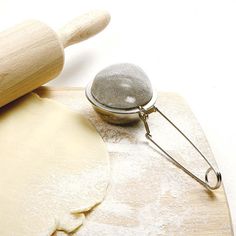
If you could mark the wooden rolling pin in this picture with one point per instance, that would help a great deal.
(32, 53)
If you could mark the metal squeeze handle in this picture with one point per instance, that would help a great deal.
(143, 114)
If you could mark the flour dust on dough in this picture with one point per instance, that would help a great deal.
(53, 167)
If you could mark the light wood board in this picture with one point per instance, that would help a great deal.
(148, 195)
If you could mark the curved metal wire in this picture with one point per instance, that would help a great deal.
(143, 114)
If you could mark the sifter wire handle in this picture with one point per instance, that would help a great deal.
(143, 114)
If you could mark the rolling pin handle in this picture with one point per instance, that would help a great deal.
(83, 27)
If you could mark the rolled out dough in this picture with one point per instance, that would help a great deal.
(53, 167)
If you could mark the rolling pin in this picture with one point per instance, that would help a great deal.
(32, 53)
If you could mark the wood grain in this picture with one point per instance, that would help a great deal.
(31, 53)
(83, 27)
(148, 195)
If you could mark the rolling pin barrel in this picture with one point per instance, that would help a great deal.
(31, 54)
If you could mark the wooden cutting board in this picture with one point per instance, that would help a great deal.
(148, 195)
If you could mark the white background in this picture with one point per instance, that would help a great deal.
(184, 46)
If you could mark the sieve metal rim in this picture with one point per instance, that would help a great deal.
(97, 104)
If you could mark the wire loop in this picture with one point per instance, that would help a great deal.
(144, 114)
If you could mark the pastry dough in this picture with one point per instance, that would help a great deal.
(53, 167)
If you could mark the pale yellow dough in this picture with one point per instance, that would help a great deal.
(53, 167)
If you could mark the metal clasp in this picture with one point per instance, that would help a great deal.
(144, 114)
